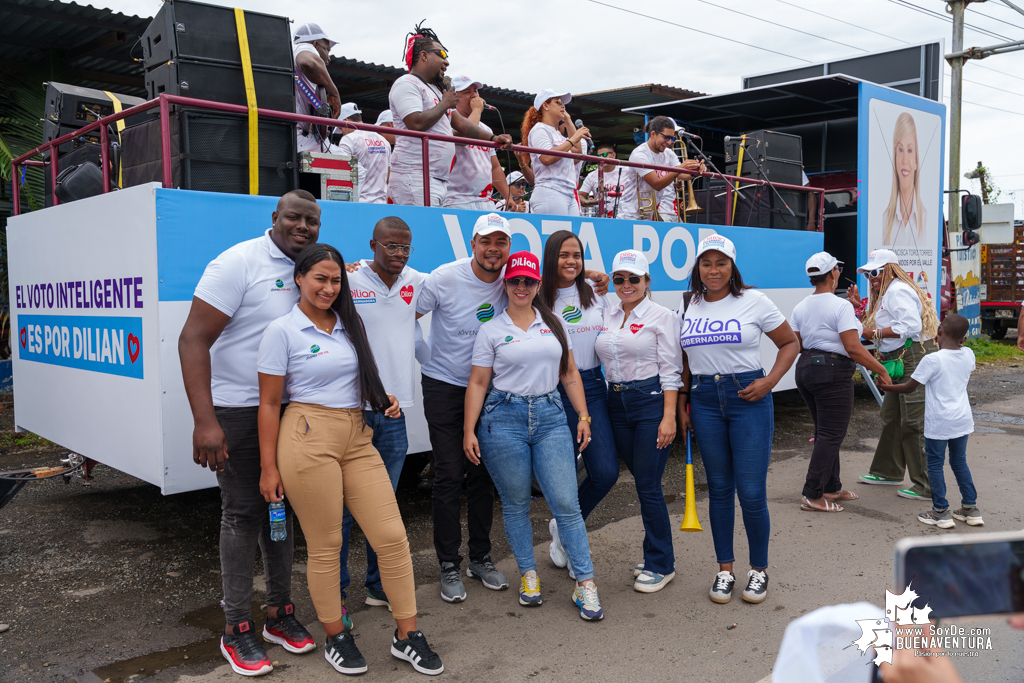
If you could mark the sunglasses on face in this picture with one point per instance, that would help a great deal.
(443, 54)
(875, 273)
(393, 249)
(522, 280)
(606, 154)
(521, 184)
(633, 279)
(668, 138)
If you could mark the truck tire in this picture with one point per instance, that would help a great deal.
(999, 330)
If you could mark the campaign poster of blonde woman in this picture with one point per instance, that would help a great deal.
(905, 187)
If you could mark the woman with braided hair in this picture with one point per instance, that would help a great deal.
(901, 320)
(421, 101)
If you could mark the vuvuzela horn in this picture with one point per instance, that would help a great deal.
(690, 521)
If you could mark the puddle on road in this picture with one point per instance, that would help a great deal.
(1000, 418)
(210, 618)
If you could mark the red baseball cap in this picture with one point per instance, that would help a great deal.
(522, 263)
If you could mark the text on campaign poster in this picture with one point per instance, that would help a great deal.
(97, 344)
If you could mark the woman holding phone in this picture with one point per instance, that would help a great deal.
(522, 431)
(319, 453)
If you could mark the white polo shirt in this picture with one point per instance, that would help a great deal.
(318, 368)
(374, 155)
(409, 95)
(583, 324)
(389, 316)
(471, 176)
(646, 346)
(633, 177)
(252, 283)
(524, 363)
(561, 175)
(461, 302)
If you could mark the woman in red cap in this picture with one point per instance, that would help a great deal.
(523, 432)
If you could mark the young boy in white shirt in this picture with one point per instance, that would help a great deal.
(947, 421)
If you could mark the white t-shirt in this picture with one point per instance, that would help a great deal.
(947, 408)
(409, 95)
(561, 175)
(820, 318)
(389, 316)
(461, 302)
(319, 368)
(471, 175)
(525, 363)
(645, 346)
(643, 154)
(583, 324)
(900, 309)
(251, 282)
(612, 187)
(374, 155)
(724, 337)
(500, 206)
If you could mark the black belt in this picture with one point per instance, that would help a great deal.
(831, 354)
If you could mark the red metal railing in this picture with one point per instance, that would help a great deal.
(165, 101)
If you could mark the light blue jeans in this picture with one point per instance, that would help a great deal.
(522, 436)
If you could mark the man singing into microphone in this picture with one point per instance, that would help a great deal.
(476, 170)
(641, 188)
(420, 101)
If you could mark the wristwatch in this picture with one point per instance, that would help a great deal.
(585, 419)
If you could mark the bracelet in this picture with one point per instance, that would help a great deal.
(684, 393)
(492, 138)
(586, 419)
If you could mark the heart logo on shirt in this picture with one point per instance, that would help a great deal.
(133, 353)
(23, 336)
(406, 294)
(634, 328)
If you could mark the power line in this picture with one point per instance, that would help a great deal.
(661, 20)
(988, 106)
(986, 85)
(989, 16)
(842, 21)
(988, 68)
(790, 28)
(936, 15)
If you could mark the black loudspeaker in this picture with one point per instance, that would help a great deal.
(758, 207)
(779, 217)
(86, 154)
(779, 154)
(210, 152)
(70, 107)
(221, 83)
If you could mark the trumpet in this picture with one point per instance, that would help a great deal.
(685, 195)
(647, 200)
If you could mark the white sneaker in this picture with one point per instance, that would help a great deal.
(557, 552)
(638, 569)
(757, 586)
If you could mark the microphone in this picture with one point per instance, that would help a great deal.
(447, 82)
(739, 138)
(487, 106)
(578, 123)
(682, 132)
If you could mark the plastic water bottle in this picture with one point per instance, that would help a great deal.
(278, 526)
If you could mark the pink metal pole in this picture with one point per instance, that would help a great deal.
(821, 211)
(426, 171)
(105, 157)
(165, 141)
(15, 188)
(728, 204)
(54, 172)
(600, 191)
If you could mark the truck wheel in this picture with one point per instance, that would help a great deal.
(998, 331)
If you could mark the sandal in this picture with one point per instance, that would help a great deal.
(829, 506)
(842, 495)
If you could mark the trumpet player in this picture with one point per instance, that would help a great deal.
(641, 194)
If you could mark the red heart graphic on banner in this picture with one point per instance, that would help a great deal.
(406, 294)
(634, 328)
(23, 336)
(133, 353)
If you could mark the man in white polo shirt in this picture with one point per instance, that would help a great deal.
(475, 171)
(241, 292)
(385, 291)
(311, 51)
(419, 101)
(372, 152)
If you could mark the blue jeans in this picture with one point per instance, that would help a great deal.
(936, 451)
(635, 410)
(599, 456)
(522, 436)
(735, 441)
(392, 442)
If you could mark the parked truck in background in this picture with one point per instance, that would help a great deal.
(1002, 283)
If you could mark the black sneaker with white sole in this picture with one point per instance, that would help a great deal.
(244, 652)
(757, 586)
(417, 652)
(721, 589)
(344, 656)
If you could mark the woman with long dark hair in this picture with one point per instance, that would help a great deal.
(548, 126)
(565, 290)
(320, 452)
(522, 432)
(733, 417)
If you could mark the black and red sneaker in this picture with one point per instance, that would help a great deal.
(287, 632)
(244, 652)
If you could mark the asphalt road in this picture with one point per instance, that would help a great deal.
(114, 579)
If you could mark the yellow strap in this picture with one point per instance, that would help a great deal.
(250, 99)
(739, 171)
(120, 126)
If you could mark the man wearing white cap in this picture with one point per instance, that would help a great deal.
(644, 192)
(372, 152)
(517, 203)
(386, 120)
(475, 171)
(548, 126)
(419, 102)
(313, 84)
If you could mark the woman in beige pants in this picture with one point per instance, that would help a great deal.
(320, 452)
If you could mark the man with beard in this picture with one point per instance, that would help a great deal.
(419, 101)
(642, 187)
(241, 292)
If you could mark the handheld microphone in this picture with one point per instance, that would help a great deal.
(447, 82)
(487, 106)
(578, 123)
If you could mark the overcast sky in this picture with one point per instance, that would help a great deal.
(580, 45)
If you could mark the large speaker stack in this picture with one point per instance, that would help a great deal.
(191, 49)
(781, 160)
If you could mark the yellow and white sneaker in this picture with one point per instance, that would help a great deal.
(529, 589)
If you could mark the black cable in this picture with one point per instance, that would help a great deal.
(766, 21)
(988, 16)
(947, 19)
(842, 21)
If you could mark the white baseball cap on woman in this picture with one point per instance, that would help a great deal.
(717, 243)
(822, 263)
(546, 94)
(631, 261)
(878, 258)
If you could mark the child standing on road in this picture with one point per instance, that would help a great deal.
(947, 421)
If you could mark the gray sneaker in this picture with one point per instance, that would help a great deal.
(970, 515)
(485, 570)
(452, 589)
(939, 518)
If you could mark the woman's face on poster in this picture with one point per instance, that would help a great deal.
(906, 160)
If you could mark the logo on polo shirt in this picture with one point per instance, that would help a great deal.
(279, 287)
(508, 338)
(364, 296)
(314, 349)
(484, 312)
(571, 314)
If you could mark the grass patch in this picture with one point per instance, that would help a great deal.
(20, 440)
(997, 351)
